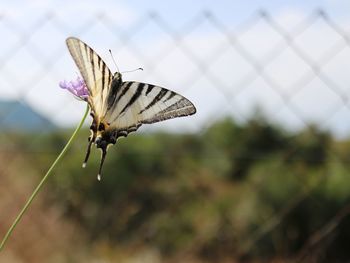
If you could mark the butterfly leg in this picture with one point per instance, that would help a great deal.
(91, 140)
(104, 153)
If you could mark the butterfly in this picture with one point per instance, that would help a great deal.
(119, 107)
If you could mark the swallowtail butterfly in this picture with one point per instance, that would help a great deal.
(119, 107)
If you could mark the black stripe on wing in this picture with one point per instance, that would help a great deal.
(92, 61)
(149, 89)
(171, 95)
(103, 70)
(157, 98)
(134, 97)
(125, 87)
(112, 96)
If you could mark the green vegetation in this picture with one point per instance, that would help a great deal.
(251, 191)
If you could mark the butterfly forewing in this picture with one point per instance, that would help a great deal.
(139, 103)
(94, 70)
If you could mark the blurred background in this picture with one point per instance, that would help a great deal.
(259, 174)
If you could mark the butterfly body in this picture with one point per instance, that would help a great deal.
(119, 107)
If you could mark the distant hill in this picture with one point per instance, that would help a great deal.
(19, 116)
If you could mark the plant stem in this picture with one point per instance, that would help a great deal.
(48, 173)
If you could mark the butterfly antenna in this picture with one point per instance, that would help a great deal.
(104, 152)
(110, 52)
(128, 71)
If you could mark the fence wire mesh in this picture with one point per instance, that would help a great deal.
(260, 63)
(296, 76)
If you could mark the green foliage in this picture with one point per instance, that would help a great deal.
(244, 145)
(208, 193)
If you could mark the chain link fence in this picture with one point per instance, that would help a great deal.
(295, 76)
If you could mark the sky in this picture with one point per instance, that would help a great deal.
(226, 8)
(33, 57)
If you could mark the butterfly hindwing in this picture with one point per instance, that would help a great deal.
(96, 74)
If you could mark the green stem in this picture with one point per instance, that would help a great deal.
(37, 189)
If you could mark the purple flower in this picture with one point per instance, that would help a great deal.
(77, 88)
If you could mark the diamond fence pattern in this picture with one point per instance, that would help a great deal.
(259, 63)
(291, 73)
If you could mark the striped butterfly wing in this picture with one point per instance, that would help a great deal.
(96, 74)
(139, 103)
(121, 107)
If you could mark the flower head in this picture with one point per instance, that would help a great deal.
(77, 88)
